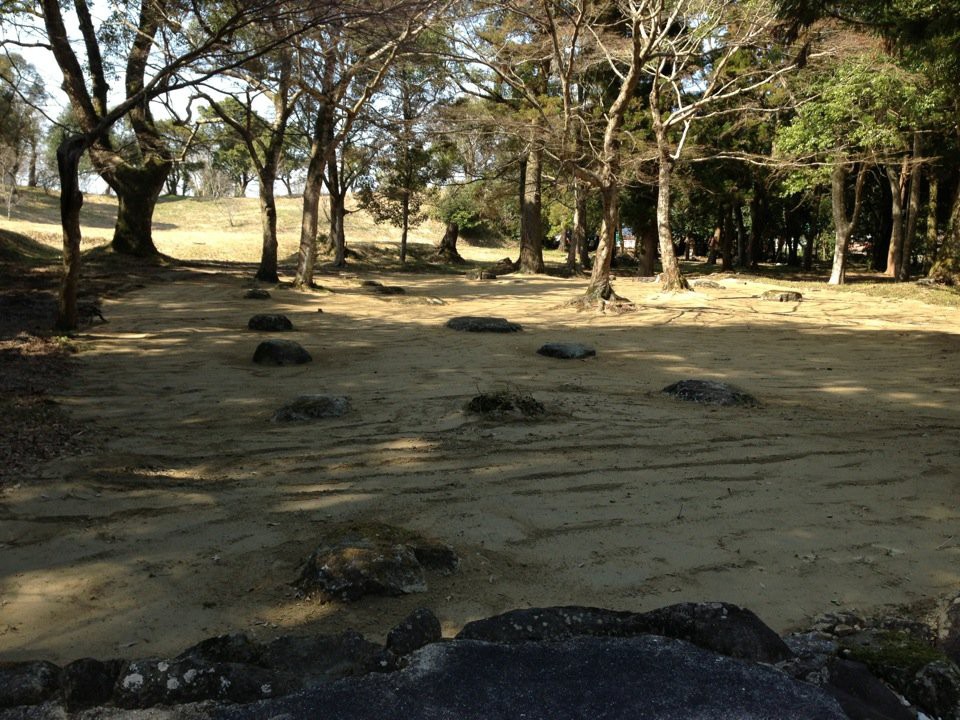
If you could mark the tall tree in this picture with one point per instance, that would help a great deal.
(351, 59)
(270, 77)
(156, 45)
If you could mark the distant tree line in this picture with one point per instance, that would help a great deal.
(740, 131)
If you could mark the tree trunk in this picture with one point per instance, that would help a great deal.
(741, 235)
(447, 250)
(404, 225)
(913, 211)
(844, 226)
(647, 248)
(531, 225)
(895, 251)
(670, 277)
(310, 219)
(137, 189)
(599, 287)
(268, 219)
(726, 240)
(755, 241)
(947, 266)
(71, 200)
(931, 250)
(338, 214)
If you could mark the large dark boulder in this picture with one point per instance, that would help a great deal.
(270, 323)
(27, 683)
(553, 623)
(710, 392)
(88, 682)
(721, 627)
(612, 678)
(146, 683)
(469, 323)
(281, 352)
(419, 628)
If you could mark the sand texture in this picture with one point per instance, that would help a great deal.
(191, 512)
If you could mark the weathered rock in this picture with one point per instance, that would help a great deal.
(861, 695)
(910, 665)
(281, 352)
(313, 407)
(553, 623)
(146, 683)
(468, 323)
(371, 560)
(256, 294)
(781, 296)
(504, 266)
(936, 689)
(418, 629)
(481, 274)
(233, 648)
(321, 658)
(721, 627)
(567, 351)
(948, 630)
(27, 683)
(88, 682)
(707, 284)
(503, 403)
(710, 392)
(270, 323)
(612, 678)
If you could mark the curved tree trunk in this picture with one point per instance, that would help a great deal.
(599, 287)
(447, 250)
(71, 200)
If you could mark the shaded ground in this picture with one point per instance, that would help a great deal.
(191, 513)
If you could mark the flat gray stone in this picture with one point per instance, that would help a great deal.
(782, 296)
(640, 678)
(280, 352)
(567, 351)
(467, 323)
(710, 392)
(313, 407)
(270, 323)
